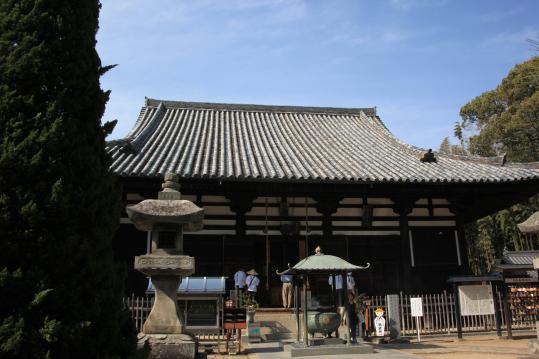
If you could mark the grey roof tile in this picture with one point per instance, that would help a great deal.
(225, 141)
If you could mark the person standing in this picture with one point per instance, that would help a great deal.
(286, 291)
(239, 284)
(352, 316)
(252, 283)
(338, 287)
(239, 279)
(350, 283)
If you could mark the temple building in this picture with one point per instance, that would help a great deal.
(277, 181)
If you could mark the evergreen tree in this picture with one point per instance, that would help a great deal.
(504, 120)
(59, 206)
(445, 146)
(448, 148)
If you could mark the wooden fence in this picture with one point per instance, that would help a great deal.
(139, 307)
(438, 315)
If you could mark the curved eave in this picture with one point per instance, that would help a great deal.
(366, 181)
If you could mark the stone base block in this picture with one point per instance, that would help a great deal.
(165, 346)
(326, 341)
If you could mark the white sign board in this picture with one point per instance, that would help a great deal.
(476, 300)
(380, 326)
(417, 307)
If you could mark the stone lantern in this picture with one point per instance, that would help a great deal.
(165, 219)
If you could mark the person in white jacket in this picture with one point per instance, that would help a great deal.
(350, 283)
(338, 287)
(239, 279)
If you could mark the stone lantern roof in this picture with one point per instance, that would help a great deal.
(169, 208)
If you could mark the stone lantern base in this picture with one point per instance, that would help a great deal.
(165, 346)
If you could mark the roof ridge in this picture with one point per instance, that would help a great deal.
(531, 165)
(370, 111)
(490, 160)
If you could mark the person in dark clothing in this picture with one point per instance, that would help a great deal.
(352, 316)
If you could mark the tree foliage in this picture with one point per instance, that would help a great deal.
(59, 205)
(504, 120)
(447, 147)
(534, 42)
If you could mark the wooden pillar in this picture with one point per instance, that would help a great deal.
(463, 247)
(507, 310)
(346, 304)
(305, 330)
(240, 224)
(457, 310)
(296, 306)
(459, 207)
(326, 206)
(404, 206)
(285, 259)
(497, 315)
(334, 292)
(223, 256)
(241, 204)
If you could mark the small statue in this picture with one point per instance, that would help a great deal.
(318, 250)
(428, 157)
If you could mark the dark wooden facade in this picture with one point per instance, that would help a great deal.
(412, 237)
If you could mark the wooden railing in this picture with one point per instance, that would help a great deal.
(438, 315)
(140, 308)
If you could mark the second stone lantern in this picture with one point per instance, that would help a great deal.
(165, 219)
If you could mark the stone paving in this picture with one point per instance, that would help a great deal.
(435, 347)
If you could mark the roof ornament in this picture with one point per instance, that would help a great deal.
(318, 250)
(428, 157)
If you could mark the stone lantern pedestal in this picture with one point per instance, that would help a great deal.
(166, 265)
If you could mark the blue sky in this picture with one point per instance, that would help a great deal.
(417, 61)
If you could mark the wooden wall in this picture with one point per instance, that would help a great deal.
(412, 250)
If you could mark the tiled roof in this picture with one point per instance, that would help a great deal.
(519, 257)
(281, 143)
